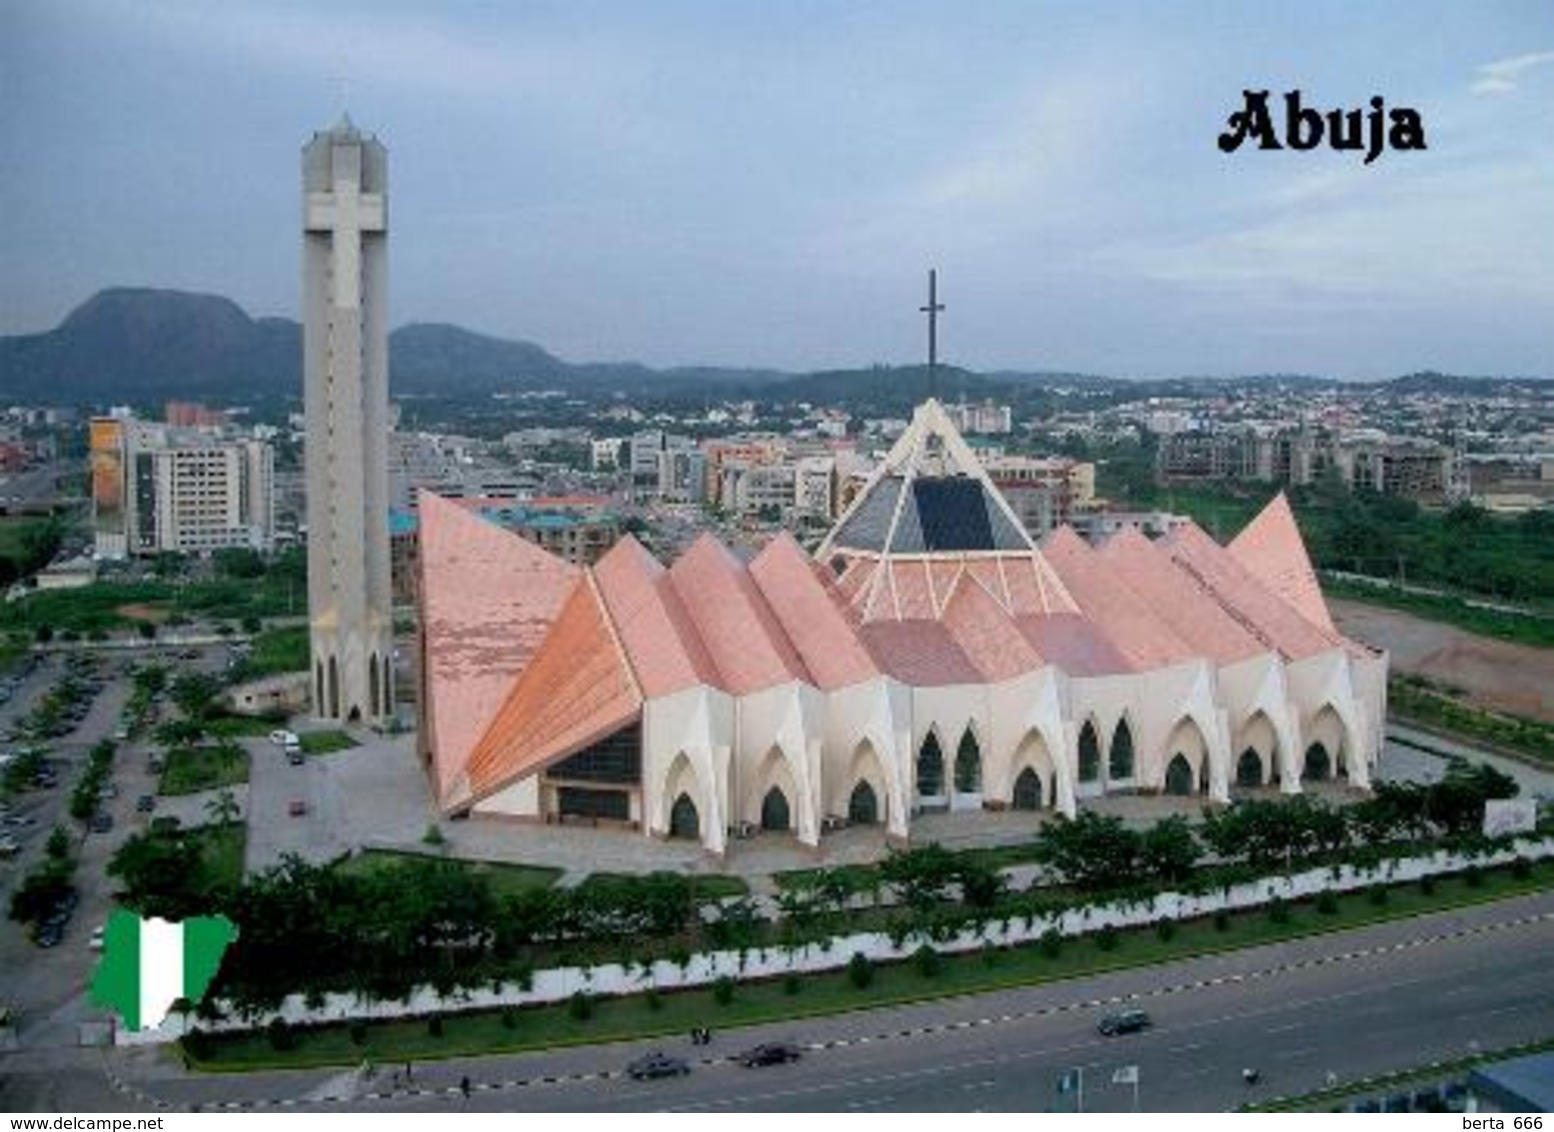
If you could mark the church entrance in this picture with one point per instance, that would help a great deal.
(1179, 779)
(1319, 765)
(863, 807)
(774, 811)
(1249, 768)
(1027, 790)
(684, 820)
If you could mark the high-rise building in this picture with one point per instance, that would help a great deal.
(345, 366)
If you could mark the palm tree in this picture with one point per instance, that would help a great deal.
(223, 808)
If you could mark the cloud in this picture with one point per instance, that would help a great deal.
(1501, 76)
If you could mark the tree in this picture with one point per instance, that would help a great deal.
(223, 808)
(193, 693)
(1169, 851)
(1091, 852)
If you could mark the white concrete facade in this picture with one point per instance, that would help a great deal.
(345, 347)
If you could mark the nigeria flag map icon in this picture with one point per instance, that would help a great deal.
(149, 964)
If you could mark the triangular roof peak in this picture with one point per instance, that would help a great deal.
(930, 494)
(1270, 547)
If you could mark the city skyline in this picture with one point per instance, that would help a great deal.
(727, 187)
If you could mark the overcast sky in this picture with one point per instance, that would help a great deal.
(765, 183)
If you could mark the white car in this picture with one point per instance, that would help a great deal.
(283, 738)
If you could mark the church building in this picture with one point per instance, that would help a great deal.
(929, 657)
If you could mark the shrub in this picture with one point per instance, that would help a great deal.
(580, 1007)
(1473, 877)
(433, 835)
(927, 961)
(1165, 930)
(1279, 912)
(358, 1032)
(723, 990)
(860, 970)
(1377, 895)
(1051, 943)
(196, 1044)
(1327, 904)
(434, 1025)
(1521, 868)
(509, 1019)
(1427, 885)
(1107, 938)
(653, 1000)
(792, 984)
(1222, 921)
(281, 1036)
(990, 955)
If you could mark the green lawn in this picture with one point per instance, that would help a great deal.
(504, 879)
(640, 1016)
(325, 742)
(189, 770)
(221, 852)
(275, 651)
(1415, 699)
(713, 886)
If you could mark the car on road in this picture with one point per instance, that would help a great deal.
(1124, 1022)
(145, 803)
(102, 822)
(294, 756)
(297, 807)
(657, 1064)
(283, 738)
(96, 942)
(8, 847)
(769, 1053)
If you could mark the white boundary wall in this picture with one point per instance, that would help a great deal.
(560, 983)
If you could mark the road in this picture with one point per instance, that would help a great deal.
(1356, 1003)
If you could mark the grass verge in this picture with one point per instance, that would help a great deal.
(325, 742)
(775, 1000)
(713, 886)
(189, 770)
(1518, 628)
(504, 879)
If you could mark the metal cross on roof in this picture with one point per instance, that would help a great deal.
(932, 311)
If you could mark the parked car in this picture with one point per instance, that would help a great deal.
(294, 756)
(8, 847)
(102, 822)
(770, 1053)
(296, 807)
(145, 803)
(657, 1064)
(283, 738)
(96, 942)
(1124, 1022)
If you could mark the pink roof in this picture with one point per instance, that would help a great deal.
(1122, 616)
(575, 691)
(922, 653)
(1270, 547)
(1075, 644)
(914, 599)
(488, 598)
(1273, 619)
(987, 635)
(801, 596)
(742, 634)
(1177, 599)
(666, 652)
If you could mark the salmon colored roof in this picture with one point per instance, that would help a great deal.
(743, 635)
(1269, 616)
(1179, 600)
(488, 598)
(800, 595)
(576, 691)
(1271, 548)
(661, 641)
(922, 653)
(1121, 615)
(1075, 644)
(986, 634)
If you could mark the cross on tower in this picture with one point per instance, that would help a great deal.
(932, 311)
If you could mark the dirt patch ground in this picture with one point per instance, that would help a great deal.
(138, 611)
(1496, 674)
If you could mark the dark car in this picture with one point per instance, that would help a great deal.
(145, 803)
(1124, 1022)
(770, 1053)
(656, 1064)
(294, 756)
(102, 821)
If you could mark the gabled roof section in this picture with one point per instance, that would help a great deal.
(1125, 620)
(1075, 644)
(1182, 602)
(986, 634)
(1270, 547)
(744, 637)
(929, 496)
(1268, 616)
(920, 653)
(576, 690)
(812, 613)
(488, 598)
(661, 641)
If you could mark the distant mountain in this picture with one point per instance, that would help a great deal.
(1448, 384)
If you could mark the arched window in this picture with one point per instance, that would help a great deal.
(968, 765)
(1180, 779)
(774, 811)
(863, 807)
(930, 768)
(1319, 765)
(684, 821)
(334, 688)
(1249, 768)
(1089, 754)
(1027, 790)
(1120, 764)
(372, 685)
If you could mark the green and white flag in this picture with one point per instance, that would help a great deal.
(149, 964)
